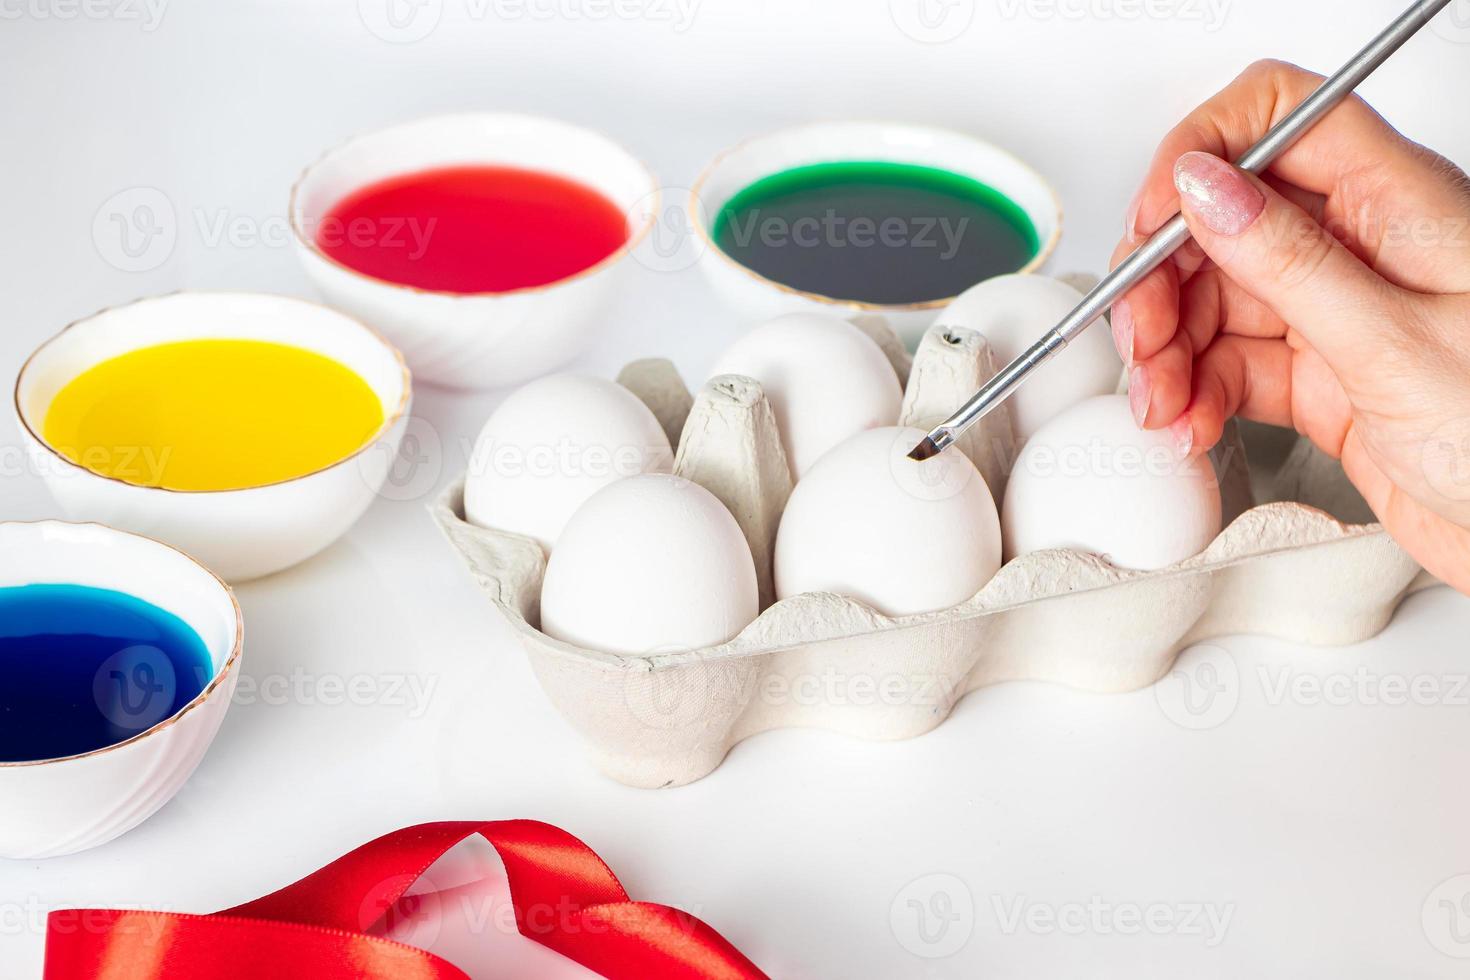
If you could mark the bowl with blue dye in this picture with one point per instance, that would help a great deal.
(118, 659)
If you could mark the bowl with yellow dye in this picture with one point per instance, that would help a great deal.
(249, 430)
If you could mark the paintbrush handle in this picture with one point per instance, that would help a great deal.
(1167, 240)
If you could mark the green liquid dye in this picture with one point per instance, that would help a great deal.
(875, 232)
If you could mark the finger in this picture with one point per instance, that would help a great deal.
(1158, 389)
(1144, 320)
(1320, 409)
(1206, 303)
(1313, 203)
(1243, 314)
(1202, 309)
(1276, 252)
(1350, 141)
(1245, 376)
(1160, 386)
(1210, 303)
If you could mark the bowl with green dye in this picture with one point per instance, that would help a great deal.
(868, 217)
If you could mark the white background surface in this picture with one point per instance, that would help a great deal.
(1326, 828)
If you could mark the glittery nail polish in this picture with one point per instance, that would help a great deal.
(1122, 323)
(1182, 430)
(1221, 195)
(1139, 392)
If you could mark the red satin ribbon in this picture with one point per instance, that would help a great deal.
(565, 898)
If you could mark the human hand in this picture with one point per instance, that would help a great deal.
(1332, 296)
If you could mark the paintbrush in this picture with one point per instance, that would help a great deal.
(1167, 240)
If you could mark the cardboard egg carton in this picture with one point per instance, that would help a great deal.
(1282, 568)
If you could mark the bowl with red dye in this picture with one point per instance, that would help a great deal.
(482, 244)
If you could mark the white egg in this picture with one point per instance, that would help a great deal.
(903, 537)
(1012, 313)
(650, 564)
(825, 379)
(552, 444)
(1092, 480)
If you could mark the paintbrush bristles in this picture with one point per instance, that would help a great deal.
(927, 449)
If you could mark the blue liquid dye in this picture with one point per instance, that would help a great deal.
(84, 668)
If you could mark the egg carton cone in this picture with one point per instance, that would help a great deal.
(1281, 567)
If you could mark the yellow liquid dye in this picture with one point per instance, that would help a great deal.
(212, 415)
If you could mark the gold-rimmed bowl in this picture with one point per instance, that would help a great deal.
(834, 142)
(65, 805)
(239, 533)
(475, 340)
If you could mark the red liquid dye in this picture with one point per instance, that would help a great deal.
(472, 229)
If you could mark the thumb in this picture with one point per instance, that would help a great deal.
(1281, 255)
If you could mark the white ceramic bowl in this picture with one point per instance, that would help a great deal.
(244, 533)
(475, 340)
(828, 142)
(60, 806)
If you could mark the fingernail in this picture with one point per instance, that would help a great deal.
(1183, 432)
(1123, 330)
(1139, 391)
(1220, 194)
